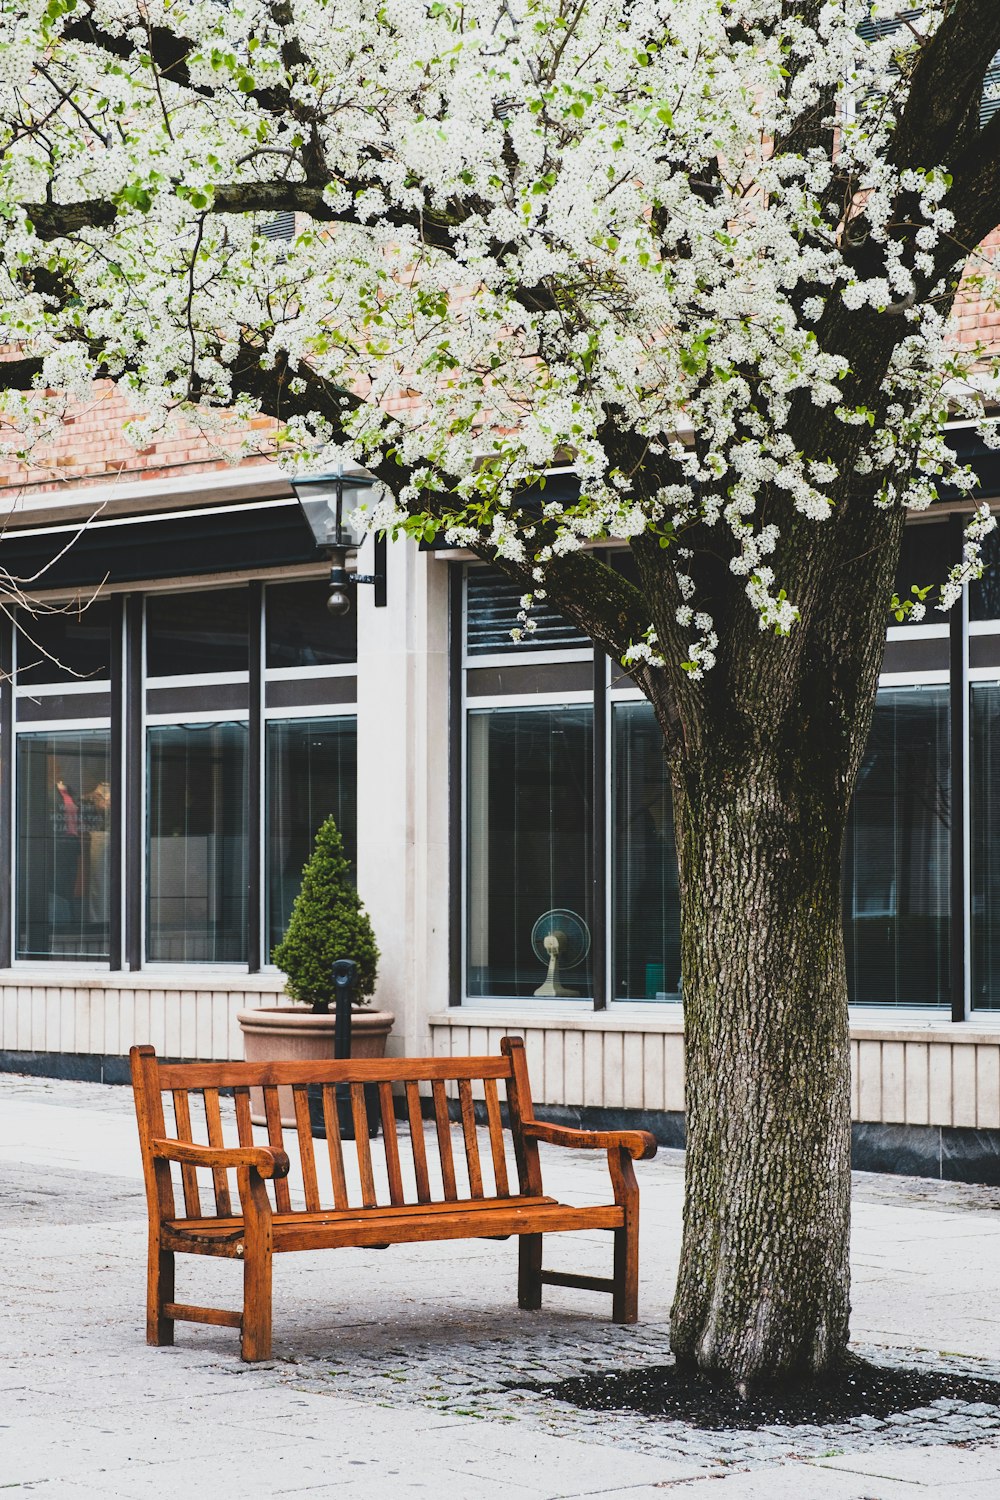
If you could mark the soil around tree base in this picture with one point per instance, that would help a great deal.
(858, 1389)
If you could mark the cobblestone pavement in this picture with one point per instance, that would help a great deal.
(411, 1359)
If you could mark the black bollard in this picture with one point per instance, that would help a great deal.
(345, 978)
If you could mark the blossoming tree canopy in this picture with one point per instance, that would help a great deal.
(630, 235)
(705, 252)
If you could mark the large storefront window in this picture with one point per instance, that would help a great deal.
(312, 767)
(646, 941)
(986, 846)
(63, 824)
(897, 871)
(530, 848)
(196, 893)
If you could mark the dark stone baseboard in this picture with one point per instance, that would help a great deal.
(80, 1067)
(955, 1155)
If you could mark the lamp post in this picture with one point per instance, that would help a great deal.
(321, 500)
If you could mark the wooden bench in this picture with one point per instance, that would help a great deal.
(429, 1192)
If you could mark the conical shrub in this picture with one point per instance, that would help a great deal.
(328, 922)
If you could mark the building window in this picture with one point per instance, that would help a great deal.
(63, 826)
(646, 936)
(198, 632)
(197, 864)
(530, 847)
(311, 773)
(301, 632)
(897, 865)
(985, 851)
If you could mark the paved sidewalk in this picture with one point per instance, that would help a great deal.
(396, 1373)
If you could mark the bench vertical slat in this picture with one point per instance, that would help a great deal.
(363, 1146)
(471, 1141)
(335, 1146)
(307, 1158)
(391, 1144)
(272, 1113)
(213, 1119)
(529, 1168)
(496, 1138)
(417, 1143)
(244, 1124)
(444, 1140)
(189, 1176)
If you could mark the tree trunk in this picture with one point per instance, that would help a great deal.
(763, 1289)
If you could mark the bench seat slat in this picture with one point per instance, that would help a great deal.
(394, 1226)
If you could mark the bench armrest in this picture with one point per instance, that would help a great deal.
(638, 1143)
(267, 1161)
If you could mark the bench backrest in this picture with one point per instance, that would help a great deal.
(424, 1163)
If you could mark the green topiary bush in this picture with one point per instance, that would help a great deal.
(328, 922)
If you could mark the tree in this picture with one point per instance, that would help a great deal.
(327, 922)
(705, 251)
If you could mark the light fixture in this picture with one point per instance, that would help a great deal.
(321, 500)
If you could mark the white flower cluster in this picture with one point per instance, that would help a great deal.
(550, 244)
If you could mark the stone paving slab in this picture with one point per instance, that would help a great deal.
(402, 1373)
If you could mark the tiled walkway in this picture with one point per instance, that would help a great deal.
(396, 1372)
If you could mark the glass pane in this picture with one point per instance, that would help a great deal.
(985, 849)
(63, 834)
(646, 931)
(202, 631)
(312, 771)
(196, 890)
(301, 632)
(896, 866)
(64, 647)
(924, 559)
(530, 846)
(492, 603)
(984, 593)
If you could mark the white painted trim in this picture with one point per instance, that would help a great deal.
(308, 674)
(984, 627)
(205, 716)
(543, 657)
(917, 632)
(56, 689)
(198, 679)
(312, 711)
(914, 679)
(56, 726)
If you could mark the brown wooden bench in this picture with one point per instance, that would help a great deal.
(429, 1192)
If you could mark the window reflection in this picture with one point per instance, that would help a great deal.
(647, 942)
(530, 841)
(197, 857)
(312, 768)
(63, 832)
(205, 630)
(896, 871)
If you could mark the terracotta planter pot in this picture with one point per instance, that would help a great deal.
(291, 1033)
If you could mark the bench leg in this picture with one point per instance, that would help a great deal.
(625, 1297)
(255, 1330)
(159, 1290)
(529, 1272)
